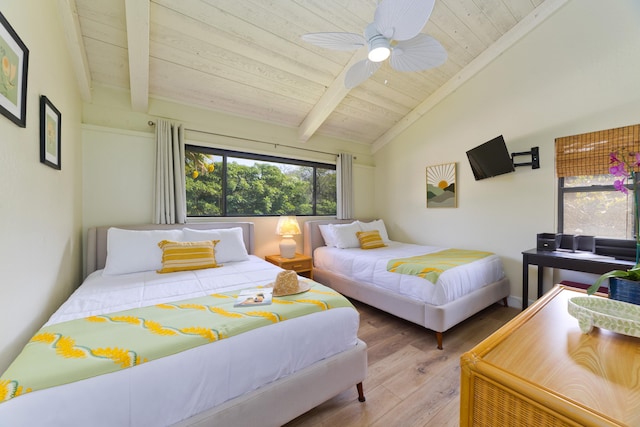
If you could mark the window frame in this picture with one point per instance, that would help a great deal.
(225, 154)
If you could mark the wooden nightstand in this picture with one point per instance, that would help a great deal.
(301, 264)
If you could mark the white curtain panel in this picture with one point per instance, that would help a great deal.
(345, 186)
(170, 202)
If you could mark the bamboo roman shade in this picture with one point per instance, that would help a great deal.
(588, 153)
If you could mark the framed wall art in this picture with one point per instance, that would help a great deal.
(50, 130)
(441, 186)
(14, 56)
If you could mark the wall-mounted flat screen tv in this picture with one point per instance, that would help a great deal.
(490, 159)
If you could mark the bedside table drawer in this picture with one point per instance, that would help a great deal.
(301, 264)
(297, 265)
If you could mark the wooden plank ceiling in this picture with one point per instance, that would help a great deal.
(246, 58)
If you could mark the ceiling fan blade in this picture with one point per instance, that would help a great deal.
(419, 53)
(402, 19)
(336, 41)
(359, 72)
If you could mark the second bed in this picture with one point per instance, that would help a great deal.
(362, 274)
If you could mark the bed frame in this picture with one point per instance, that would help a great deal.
(280, 401)
(438, 318)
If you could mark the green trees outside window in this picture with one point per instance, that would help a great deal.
(228, 183)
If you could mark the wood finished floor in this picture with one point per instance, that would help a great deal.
(409, 381)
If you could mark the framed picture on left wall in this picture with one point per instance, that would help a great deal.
(50, 130)
(14, 56)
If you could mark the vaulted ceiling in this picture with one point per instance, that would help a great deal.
(247, 58)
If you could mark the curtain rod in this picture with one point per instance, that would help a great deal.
(276, 145)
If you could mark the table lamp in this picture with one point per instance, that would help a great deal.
(287, 227)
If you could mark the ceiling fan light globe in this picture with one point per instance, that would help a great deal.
(379, 48)
(379, 54)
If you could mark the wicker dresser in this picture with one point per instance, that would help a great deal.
(540, 370)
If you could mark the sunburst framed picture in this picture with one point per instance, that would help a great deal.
(441, 186)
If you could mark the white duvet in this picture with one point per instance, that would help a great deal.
(370, 266)
(173, 388)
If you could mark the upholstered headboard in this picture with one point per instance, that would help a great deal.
(97, 238)
(312, 236)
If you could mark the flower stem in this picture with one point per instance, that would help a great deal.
(635, 216)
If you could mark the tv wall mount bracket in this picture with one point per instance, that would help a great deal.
(535, 158)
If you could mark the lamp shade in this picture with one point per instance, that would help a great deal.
(288, 226)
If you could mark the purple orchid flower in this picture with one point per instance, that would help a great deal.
(613, 158)
(618, 184)
(620, 168)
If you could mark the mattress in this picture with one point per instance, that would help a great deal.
(370, 266)
(173, 388)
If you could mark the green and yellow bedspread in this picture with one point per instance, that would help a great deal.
(83, 348)
(430, 266)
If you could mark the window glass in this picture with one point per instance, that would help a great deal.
(267, 188)
(228, 183)
(587, 181)
(592, 206)
(203, 184)
(326, 196)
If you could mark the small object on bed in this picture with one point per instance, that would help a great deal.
(185, 256)
(377, 225)
(253, 297)
(370, 239)
(230, 246)
(131, 251)
(287, 283)
(345, 235)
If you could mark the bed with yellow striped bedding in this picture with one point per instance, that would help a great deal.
(82, 348)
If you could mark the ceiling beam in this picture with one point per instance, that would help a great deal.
(328, 102)
(71, 25)
(137, 16)
(511, 37)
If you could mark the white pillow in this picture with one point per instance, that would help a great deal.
(131, 251)
(376, 225)
(345, 235)
(231, 246)
(327, 235)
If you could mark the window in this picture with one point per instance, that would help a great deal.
(590, 205)
(231, 183)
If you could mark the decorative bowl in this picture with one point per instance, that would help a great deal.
(616, 316)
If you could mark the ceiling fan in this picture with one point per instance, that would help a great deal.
(394, 34)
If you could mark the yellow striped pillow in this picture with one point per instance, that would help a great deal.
(370, 239)
(183, 256)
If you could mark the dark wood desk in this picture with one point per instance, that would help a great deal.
(578, 261)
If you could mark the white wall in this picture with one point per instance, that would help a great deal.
(40, 208)
(119, 156)
(577, 72)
